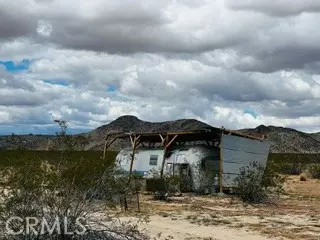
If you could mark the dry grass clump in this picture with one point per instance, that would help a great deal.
(314, 170)
(303, 177)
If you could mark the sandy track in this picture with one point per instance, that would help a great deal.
(182, 229)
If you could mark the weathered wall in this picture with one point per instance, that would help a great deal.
(239, 152)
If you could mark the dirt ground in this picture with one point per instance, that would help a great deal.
(295, 215)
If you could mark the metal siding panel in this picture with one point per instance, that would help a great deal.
(238, 152)
(243, 158)
(245, 144)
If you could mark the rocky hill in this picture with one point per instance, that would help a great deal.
(284, 140)
(315, 136)
(287, 140)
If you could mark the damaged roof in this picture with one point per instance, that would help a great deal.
(207, 134)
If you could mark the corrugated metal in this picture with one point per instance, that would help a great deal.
(238, 152)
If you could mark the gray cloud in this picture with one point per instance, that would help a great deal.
(297, 55)
(139, 27)
(17, 90)
(176, 28)
(163, 60)
(8, 80)
(20, 98)
(294, 109)
(281, 8)
(15, 22)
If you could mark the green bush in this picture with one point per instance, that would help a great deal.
(63, 185)
(291, 163)
(314, 171)
(272, 178)
(256, 185)
(164, 188)
(80, 167)
(249, 184)
(38, 189)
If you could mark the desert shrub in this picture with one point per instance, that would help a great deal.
(155, 184)
(137, 182)
(292, 169)
(63, 189)
(272, 179)
(40, 191)
(293, 164)
(165, 187)
(254, 185)
(314, 170)
(172, 183)
(90, 162)
(286, 167)
(249, 184)
(303, 177)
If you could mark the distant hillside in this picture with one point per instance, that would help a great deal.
(316, 136)
(287, 140)
(30, 142)
(284, 140)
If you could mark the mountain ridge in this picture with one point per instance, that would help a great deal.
(284, 140)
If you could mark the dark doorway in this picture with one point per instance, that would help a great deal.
(184, 172)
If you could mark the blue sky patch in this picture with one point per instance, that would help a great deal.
(112, 88)
(251, 111)
(12, 66)
(61, 82)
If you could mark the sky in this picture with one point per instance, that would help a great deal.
(231, 63)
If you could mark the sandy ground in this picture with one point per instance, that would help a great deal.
(296, 215)
(180, 229)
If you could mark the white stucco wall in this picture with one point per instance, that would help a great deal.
(236, 152)
(191, 155)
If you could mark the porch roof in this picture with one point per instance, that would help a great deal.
(207, 134)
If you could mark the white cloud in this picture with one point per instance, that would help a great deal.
(163, 60)
(44, 28)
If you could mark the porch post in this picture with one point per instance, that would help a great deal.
(221, 168)
(167, 144)
(134, 141)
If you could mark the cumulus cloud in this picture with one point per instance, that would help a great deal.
(93, 61)
(132, 26)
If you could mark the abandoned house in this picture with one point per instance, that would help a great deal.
(205, 160)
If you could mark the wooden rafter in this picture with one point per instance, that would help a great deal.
(172, 140)
(162, 138)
